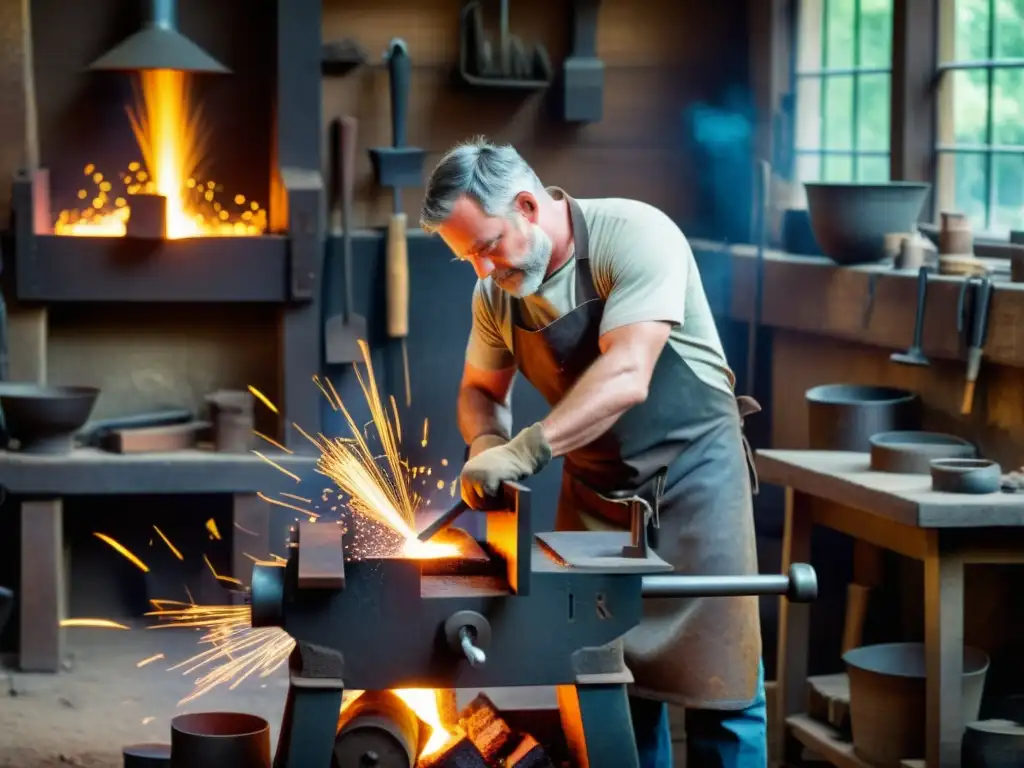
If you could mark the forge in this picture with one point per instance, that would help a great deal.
(156, 188)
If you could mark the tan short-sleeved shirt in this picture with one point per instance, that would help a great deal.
(643, 269)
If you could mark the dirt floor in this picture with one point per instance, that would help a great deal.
(103, 701)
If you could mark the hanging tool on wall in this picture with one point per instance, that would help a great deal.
(583, 71)
(915, 355)
(972, 323)
(513, 65)
(396, 167)
(343, 332)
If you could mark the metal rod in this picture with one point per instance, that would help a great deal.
(164, 13)
(675, 585)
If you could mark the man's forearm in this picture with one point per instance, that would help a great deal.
(608, 388)
(481, 414)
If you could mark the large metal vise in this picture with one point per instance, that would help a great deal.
(541, 610)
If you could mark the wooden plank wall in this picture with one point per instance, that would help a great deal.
(661, 57)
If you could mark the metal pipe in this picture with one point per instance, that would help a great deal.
(801, 585)
(164, 14)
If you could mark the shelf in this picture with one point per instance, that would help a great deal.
(58, 268)
(91, 472)
(824, 741)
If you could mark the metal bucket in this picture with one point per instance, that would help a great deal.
(887, 699)
(843, 417)
(221, 739)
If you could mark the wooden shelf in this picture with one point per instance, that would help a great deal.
(824, 741)
(837, 301)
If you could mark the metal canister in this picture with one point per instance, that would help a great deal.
(221, 739)
(232, 415)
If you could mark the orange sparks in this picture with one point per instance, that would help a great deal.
(124, 551)
(237, 652)
(211, 526)
(93, 623)
(426, 433)
(272, 442)
(262, 398)
(279, 468)
(169, 131)
(217, 576)
(286, 505)
(150, 660)
(174, 549)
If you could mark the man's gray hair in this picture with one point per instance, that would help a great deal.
(490, 174)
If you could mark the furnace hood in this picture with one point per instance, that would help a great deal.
(159, 45)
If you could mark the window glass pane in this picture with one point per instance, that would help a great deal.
(1008, 213)
(839, 34)
(873, 112)
(872, 168)
(808, 113)
(971, 37)
(876, 33)
(1008, 107)
(837, 168)
(808, 167)
(811, 35)
(970, 105)
(1010, 29)
(837, 112)
(970, 187)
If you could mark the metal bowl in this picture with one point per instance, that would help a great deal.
(42, 419)
(912, 452)
(850, 221)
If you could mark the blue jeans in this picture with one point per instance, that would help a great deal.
(714, 738)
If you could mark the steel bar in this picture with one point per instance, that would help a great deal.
(801, 585)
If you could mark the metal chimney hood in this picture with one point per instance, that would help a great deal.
(159, 45)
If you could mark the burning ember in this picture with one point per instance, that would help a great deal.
(170, 135)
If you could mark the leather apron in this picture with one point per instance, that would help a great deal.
(682, 450)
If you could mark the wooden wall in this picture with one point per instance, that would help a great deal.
(662, 57)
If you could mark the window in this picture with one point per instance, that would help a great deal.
(981, 112)
(843, 71)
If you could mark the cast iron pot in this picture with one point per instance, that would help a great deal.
(843, 417)
(850, 221)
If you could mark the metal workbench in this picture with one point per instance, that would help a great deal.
(900, 513)
(40, 483)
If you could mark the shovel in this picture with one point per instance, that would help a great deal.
(342, 333)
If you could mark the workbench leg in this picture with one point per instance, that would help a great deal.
(41, 592)
(794, 625)
(598, 726)
(944, 654)
(250, 534)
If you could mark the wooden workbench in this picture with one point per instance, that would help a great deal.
(40, 484)
(902, 514)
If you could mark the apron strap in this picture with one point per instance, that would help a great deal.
(748, 406)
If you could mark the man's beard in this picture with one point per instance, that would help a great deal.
(526, 279)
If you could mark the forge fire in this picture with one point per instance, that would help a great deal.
(173, 140)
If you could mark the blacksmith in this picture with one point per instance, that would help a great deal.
(599, 304)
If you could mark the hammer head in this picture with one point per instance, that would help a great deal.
(398, 167)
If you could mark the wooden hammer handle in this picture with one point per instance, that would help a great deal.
(397, 268)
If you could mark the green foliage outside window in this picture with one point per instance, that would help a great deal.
(843, 80)
(987, 134)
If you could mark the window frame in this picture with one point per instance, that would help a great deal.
(823, 74)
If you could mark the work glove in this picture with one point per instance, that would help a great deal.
(524, 455)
